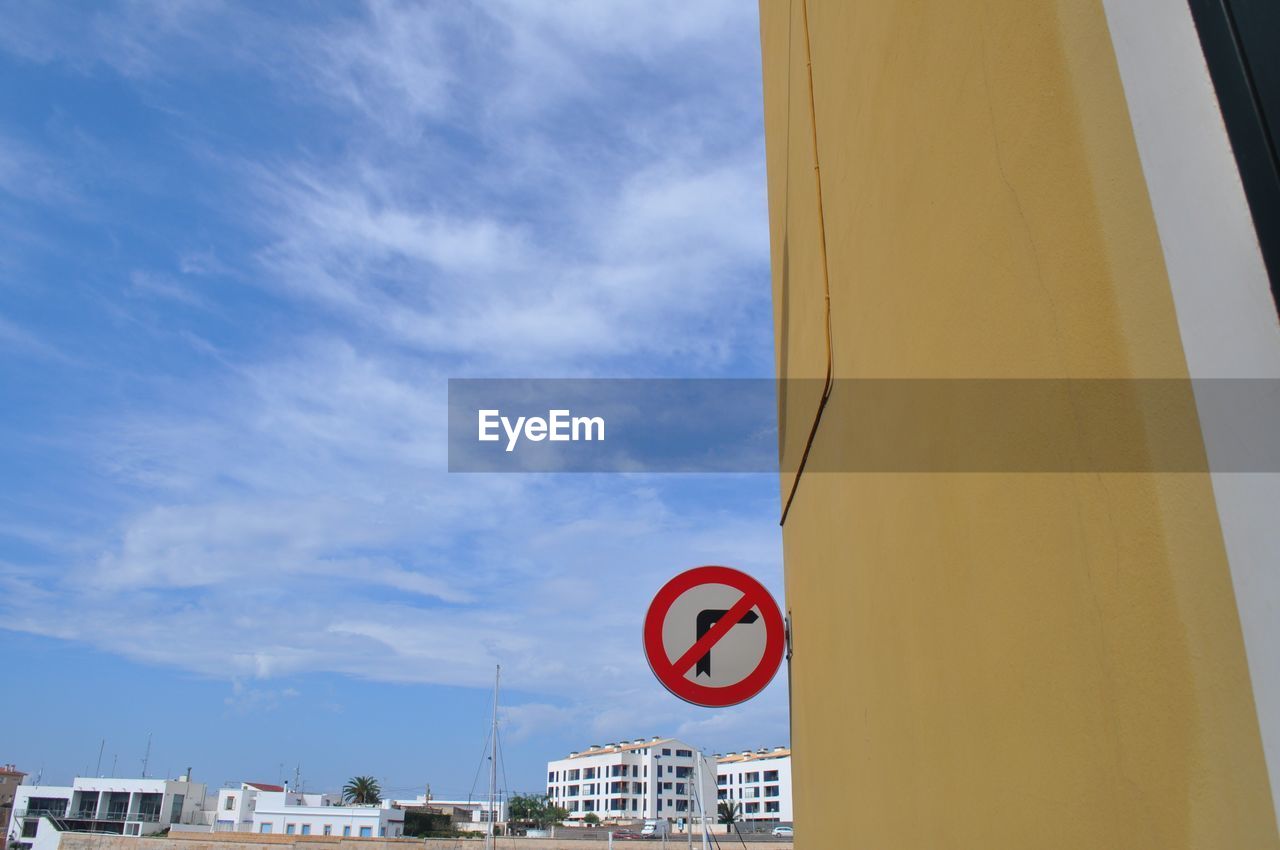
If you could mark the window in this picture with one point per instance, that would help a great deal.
(290, 828)
(666, 786)
(751, 777)
(685, 754)
(771, 776)
(175, 811)
(682, 805)
(771, 790)
(722, 794)
(346, 830)
(366, 832)
(29, 827)
(306, 829)
(231, 802)
(721, 780)
(266, 827)
(666, 752)
(328, 829)
(684, 772)
(751, 808)
(680, 788)
(771, 806)
(382, 832)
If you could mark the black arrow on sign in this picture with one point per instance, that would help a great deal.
(707, 619)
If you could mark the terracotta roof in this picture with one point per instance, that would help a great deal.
(621, 747)
(262, 786)
(733, 758)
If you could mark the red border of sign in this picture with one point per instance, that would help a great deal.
(704, 695)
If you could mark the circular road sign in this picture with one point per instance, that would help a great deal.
(714, 636)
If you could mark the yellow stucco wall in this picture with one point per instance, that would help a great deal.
(990, 660)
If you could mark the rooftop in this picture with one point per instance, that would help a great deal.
(753, 755)
(620, 747)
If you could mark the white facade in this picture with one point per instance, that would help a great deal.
(282, 812)
(634, 780)
(108, 805)
(759, 782)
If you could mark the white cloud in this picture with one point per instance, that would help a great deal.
(513, 188)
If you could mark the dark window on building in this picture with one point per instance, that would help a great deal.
(1239, 42)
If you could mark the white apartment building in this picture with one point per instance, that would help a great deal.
(634, 780)
(109, 805)
(759, 781)
(275, 810)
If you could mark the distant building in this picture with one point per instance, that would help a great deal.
(108, 805)
(10, 779)
(640, 779)
(465, 815)
(275, 810)
(235, 806)
(758, 781)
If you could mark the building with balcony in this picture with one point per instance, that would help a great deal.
(10, 779)
(275, 810)
(634, 780)
(107, 805)
(758, 781)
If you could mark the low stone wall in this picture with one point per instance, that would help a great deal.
(255, 841)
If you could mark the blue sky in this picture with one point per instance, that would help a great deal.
(242, 248)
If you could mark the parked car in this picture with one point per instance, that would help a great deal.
(784, 832)
(655, 828)
(626, 835)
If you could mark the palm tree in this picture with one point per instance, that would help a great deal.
(362, 791)
(727, 813)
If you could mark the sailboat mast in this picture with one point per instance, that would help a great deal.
(493, 761)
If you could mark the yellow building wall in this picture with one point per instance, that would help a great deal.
(989, 660)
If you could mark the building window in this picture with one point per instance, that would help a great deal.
(771, 790)
(366, 832)
(721, 780)
(175, 811)
(29, 827)
(231, 803)
(771, 806)
(306, 829)
(346, 830)
(290, 828)
(685, 754)
(328, 829)
(266, 827)
(771, 776)
(751, 809)
(666, 752)
(382, 832)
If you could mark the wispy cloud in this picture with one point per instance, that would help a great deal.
(510, 188)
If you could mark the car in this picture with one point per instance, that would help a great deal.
(784, 832)
(626, 835)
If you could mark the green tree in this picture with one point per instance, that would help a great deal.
(592, 819)
(727, 813)
(535, 810)
(362, 791)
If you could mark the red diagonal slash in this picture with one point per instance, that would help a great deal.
(721, 628)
